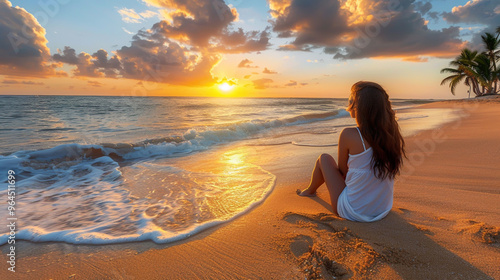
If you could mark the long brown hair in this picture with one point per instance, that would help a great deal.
(378, 125)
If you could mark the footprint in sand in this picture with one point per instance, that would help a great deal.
(319, 221)
(480, 231)
(322, 251)
(315, 262)
(301, 245)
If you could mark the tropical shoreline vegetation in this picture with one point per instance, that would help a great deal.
(478, 70)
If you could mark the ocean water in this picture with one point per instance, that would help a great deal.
(100, 170)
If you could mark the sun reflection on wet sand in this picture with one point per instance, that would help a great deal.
(184, 193)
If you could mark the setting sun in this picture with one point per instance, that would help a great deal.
(225, 87)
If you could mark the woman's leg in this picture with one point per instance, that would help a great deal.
(326, 171)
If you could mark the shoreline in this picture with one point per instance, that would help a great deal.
(291, 237)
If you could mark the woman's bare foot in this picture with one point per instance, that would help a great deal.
(305, 193)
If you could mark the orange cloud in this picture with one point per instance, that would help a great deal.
(94, 83)
(246, 63)
(267, 71)
(416, 59)
(16, 82)
(262, 83)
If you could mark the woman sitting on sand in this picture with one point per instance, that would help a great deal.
(370, 156)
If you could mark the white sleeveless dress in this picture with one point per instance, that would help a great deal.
(365, 197)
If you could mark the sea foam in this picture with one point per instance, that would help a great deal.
(95, 201)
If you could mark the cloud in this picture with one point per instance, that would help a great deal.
(293, 83)
(207, 24)
(247, 76)
(181, 50)
(485, 12)
(228, 81)
(267, 71)
(23, 47)
(68, 55)
(16, 82)
(416, 59)
(94, 83)
(95, 65)
(150, 57)
(243, 42)
(128, 32)
(148, 14)
(422, 7)
(291, 47)
(155, 57)
(245, 63)
(262, 83)
(360, 29)
(193, 21)
(131, 16)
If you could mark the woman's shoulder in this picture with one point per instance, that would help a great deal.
(350, 138)
(349, 132)
(348, 135)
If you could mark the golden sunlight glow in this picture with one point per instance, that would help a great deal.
(362, 11)
(234, 161)
(225, 87)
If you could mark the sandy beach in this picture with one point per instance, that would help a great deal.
(444, 223)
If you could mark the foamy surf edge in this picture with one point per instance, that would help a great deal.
(148, 232)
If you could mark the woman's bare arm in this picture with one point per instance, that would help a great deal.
(343, 151)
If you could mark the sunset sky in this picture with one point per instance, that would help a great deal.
(274, 48)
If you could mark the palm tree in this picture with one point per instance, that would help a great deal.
(463, 71)
(478, 71)
(483, 73)
(491, 43)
